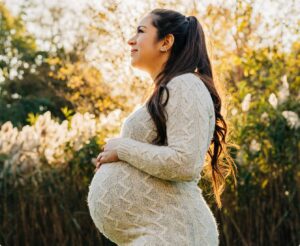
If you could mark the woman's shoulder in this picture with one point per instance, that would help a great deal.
(186, 79)
(188, 82)
(192, 87)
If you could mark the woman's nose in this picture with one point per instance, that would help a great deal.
(131, 41)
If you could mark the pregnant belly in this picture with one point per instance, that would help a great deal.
(121, 198)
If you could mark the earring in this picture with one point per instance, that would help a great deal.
(164, 50)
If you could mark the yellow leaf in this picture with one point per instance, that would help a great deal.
(264, 183)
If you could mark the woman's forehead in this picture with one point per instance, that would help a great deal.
(145, 21)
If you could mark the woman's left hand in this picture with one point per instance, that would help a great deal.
(109, 153)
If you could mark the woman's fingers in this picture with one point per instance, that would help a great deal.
(97, 166)
(98, 163)
(102, 158)
(99, 156)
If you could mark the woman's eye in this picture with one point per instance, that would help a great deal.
(140, 30)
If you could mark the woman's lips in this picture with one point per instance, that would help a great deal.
(132, 51)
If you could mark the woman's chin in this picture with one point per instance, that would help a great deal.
(134, 64)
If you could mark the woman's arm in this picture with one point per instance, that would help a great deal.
(187, 133)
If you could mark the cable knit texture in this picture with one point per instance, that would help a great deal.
(151, 196)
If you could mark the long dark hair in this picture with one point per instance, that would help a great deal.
(189, 55)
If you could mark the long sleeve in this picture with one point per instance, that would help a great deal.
(187, 133)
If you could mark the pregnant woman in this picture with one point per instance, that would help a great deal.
(145, 189)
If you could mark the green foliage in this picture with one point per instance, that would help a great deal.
(67, 112)
(268, 158)
(12, 29)
(50, 204)
(51, 201)
(32, 118)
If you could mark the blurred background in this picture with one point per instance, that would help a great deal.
(66, 85)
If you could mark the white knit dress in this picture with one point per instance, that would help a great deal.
(150, 196)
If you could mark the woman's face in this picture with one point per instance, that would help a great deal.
(145, 50)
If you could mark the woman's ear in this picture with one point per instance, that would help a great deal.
(168, 41)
